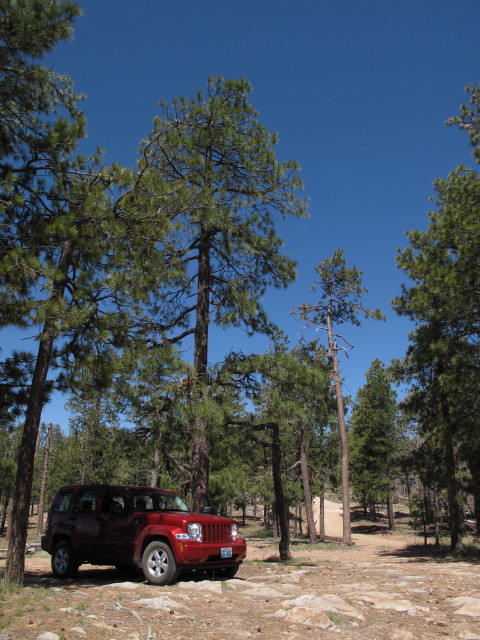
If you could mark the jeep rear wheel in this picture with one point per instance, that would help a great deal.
(158, 564)
(64, 564)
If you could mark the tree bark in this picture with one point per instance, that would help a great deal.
(156, 460)
(6, 509)
(391, 519)
(321, 516)
(474, 471)
(455, 510)
(312, 532)
(15, 564)
(335, 375)
(200, 450)
(437, 518)
(282, 510)
(43, 484)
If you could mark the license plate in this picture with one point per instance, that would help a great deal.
(226, 552)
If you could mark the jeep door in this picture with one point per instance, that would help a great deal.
(85, 523)
(118, 529)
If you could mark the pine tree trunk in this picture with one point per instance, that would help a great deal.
(333, 356)
(154, 473)
(321, 517)
(15, 564)
(437, 518)
(6, 504)
(474, 472)
(455, 510)
(14, 567)
(282, 510)
(391, 519)
(200, 452)
(43, 484)
(424, 517)
(312, 532)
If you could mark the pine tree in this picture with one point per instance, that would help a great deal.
(442, 360)
(214, 152)
(340, 302)
(374, 438)
(75, 263)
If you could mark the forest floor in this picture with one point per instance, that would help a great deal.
(385, 586)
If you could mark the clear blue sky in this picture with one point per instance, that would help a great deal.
(357, 91)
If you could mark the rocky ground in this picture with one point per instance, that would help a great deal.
(385, 586)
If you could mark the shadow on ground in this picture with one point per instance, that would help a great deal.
(430, 553)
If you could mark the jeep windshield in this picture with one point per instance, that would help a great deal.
(144, 500)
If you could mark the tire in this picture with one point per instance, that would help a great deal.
(158, 564)
(64, 564)
(224, 573)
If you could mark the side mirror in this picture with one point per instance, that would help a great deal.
(209, 511)
(203, 505)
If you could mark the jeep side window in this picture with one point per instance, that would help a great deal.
(61, 502)
(87, 501)
(113, 503)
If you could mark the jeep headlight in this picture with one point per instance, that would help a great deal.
(234, 532)
(195, 531)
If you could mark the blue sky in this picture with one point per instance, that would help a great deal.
(357, 91)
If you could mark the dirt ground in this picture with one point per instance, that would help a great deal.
(385, 586)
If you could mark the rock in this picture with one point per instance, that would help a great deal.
(123, 585)
(3, 636)
(469, 609)
(103, 625)
(48, 636)
(327, 602)
(203, 585)
(264, 592)
(288, 587)
(468, 606)
(163, 603)
(461, 600)
(394, 601)
(401, 634)
(78, 630)
(468, 635)
(310, 616)
(354, 587)
(236, 582)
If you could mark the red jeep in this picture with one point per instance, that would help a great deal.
(138, 527)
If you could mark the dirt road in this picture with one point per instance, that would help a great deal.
(381, 588)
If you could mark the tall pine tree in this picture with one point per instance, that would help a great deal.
(214, 150)
(374, 439)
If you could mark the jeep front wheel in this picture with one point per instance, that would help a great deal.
(158, 564)
(64, 564)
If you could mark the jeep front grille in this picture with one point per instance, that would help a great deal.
(217, 532)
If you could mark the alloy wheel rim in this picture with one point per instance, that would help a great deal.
(61, 560)
(157, 563)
